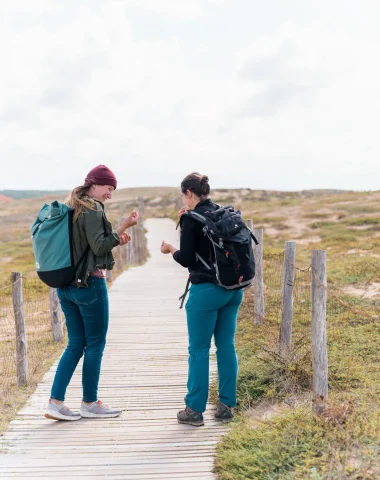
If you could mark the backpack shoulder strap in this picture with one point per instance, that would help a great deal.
(253, 237)
(196, 216)
(183, 296)
(191, 214)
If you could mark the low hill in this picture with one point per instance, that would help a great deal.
(19, 194)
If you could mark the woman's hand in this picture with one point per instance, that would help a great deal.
(128, 222)
(133, 219)
(181, 212)
(167, 248)
(124, 238)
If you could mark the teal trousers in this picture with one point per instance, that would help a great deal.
(212, 310)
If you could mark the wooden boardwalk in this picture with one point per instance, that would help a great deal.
(144, 372)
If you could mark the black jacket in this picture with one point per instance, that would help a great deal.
(194, 241)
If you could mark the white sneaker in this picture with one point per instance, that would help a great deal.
(60, 412)
(98, 410)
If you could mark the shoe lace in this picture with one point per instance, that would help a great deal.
(101, 404)
(62, 405)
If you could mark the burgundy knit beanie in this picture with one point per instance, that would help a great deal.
(101, 175)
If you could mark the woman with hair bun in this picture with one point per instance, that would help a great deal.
(210, 310)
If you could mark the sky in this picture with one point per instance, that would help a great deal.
(262, 95)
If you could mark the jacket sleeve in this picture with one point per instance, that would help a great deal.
(99, 242)
(185, 256)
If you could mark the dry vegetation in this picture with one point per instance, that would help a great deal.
(275, 436)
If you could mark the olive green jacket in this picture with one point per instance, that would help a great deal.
(92, 232)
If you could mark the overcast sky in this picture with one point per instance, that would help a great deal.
(267, 94)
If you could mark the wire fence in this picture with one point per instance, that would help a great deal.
(41, 347)
(349, 321)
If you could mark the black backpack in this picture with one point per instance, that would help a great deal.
(231, 260)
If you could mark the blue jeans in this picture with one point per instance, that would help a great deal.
(86, 313)
(212, 310)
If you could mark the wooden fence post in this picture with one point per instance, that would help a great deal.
(139, 244)
(141, 210)
(127, 250)
(55, 316)
(132, 252)
(136, 251)
(258, 281)
(145, 244)
(179, 204)
(123, 249)
(21, 341)
(287, 296)
(249, 224)
(318, 329)
(119, 260)
(136, 244)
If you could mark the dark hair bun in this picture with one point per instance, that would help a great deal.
(197, 183)
(205, 187)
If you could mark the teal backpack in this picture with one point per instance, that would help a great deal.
(53, 245)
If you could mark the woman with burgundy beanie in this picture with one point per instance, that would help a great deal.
(85, 301)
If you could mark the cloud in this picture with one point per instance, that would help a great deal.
(174, 8)
(295, 63)
(179, 8)
(79, 88)
(182, 9)
(87, 92)
(25, 7)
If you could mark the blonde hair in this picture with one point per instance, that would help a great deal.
(79, 200)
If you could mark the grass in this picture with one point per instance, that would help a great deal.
(296, 446)
(314, 215)
(361, 209)
(260, 219)
(270, 450)
(341, 444)
(358, 222)
(322, 224)
(14, 398)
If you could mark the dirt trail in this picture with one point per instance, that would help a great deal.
(366, 291)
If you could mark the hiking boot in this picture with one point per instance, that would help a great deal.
(223, 413)
(98, 410)
(190, 417)
(60, 412)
